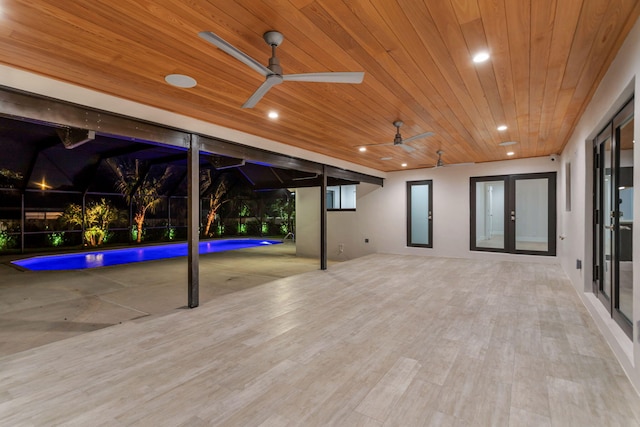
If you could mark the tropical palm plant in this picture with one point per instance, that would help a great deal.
(145, 199)
(216, 197)
(96, 220)
(140, 191)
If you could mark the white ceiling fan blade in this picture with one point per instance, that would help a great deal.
(338, 77)
(233, 51)
(422, 135)
(271, 81)
(407, 148)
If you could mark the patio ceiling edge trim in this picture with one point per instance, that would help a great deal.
(26, 106)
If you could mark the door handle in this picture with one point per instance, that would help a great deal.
(609, 227)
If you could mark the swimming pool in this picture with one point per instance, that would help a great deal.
(80, 261)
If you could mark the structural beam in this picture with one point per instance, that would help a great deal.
(73, 137)
(33, 108)
(338, 173)
(256, 155)
(193, 223)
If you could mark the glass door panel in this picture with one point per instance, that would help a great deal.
(613, 215)
(624, 300)
(531, 214)
(490, 199)
(419, 213)
(608, 191)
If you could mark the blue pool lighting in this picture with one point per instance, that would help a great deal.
(79, 261)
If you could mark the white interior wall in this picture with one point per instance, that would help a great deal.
(617, 86)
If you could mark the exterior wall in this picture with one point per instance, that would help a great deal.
(380, 214)
(345, 229)
(386, 208)
(618, 85)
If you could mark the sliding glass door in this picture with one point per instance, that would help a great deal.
(514, 213)
(613, 217)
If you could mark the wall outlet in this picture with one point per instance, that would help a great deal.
(579, 264)
(366, 240)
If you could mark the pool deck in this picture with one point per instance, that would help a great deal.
(39, 307)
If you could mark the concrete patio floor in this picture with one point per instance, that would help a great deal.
(39, 307)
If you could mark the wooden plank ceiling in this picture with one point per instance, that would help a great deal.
(547, 57)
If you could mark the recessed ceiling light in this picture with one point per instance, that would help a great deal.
(180, 80)
(480, 57)
(404, 165)
(510, 153)
(386, 158)
(507, 143)
(502, 127)
(362, 149)
(273, 115)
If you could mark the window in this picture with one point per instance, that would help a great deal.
(419, 213)
(514, 213)
(341, 197)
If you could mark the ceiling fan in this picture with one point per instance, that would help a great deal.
(397, 140)
(273, 72)
(440, 163)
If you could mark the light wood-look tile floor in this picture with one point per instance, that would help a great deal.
(383, 340)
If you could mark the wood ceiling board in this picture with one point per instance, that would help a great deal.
(423, 99)
(456, 66)
(566, 21)
(542, 20)
(494, 22)
(460, 125)
(597, 62)
(415, 55)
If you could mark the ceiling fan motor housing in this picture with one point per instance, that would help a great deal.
(273, 38)
(397, 140)
(274, 64)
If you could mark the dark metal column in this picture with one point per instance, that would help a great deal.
(169, 214)
(193, 224)
(323, 220)
(22, 223)
(84, 214)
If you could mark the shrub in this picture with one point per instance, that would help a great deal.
(7, 241)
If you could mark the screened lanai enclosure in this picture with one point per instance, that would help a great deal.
(64, 188)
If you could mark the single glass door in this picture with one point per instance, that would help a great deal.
(419, 213)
